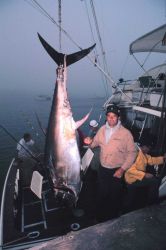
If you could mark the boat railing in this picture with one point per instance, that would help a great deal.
(3, 202)
(138, 93)
(151, 85)
(152, 101)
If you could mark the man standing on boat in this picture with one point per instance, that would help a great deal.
(117, 154)
(24, 147)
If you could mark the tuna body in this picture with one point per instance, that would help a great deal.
(61, 150)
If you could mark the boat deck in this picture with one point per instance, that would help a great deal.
(32, 219)
(141, 229)
(29, 220)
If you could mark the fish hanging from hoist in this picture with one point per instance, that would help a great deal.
(62, 156)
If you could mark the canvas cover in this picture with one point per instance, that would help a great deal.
(154, 41)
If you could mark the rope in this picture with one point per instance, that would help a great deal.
(92, 34)
(123, 67)
(45, 13)
(100, 43)
(95, 50)
(99, 36)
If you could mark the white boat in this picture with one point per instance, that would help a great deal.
(143, 98)
(143, 102)
(149, 86)
(147, 90)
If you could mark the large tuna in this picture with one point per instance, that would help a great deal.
(62, 155)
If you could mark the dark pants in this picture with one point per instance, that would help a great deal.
(150, 191)
(110, 191)
(95, 163)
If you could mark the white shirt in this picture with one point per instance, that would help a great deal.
(109, 131)
(22, 153)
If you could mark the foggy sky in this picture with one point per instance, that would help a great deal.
(25, 66)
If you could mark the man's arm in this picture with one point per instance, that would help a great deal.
(93, 142)
(31, 142)
(155, 160)
(131, 154)
(19, 145)
(134, 174)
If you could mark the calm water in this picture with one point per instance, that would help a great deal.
(17, 115)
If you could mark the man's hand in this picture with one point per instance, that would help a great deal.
(88, 140)
(119, 173)
(148, 175)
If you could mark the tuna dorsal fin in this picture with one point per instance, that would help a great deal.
(80, 122)
(59, 57)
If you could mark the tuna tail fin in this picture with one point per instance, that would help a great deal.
(59, 57)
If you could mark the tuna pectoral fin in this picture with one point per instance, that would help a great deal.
(59, 57)
(80, 122)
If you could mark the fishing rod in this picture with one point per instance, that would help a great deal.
(14, 139)
(29, 123)
(32, 127)
(40, 124)
(100, 117)
(98, 121)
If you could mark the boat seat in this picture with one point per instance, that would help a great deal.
(86, 160)
(142, 119)
(146, 81)
(31, 201)
(36, 184)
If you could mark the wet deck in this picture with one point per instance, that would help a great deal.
(141, 229)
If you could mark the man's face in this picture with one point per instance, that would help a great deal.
(27, 139)
(112, 119)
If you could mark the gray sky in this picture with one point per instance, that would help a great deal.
(24, 64)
